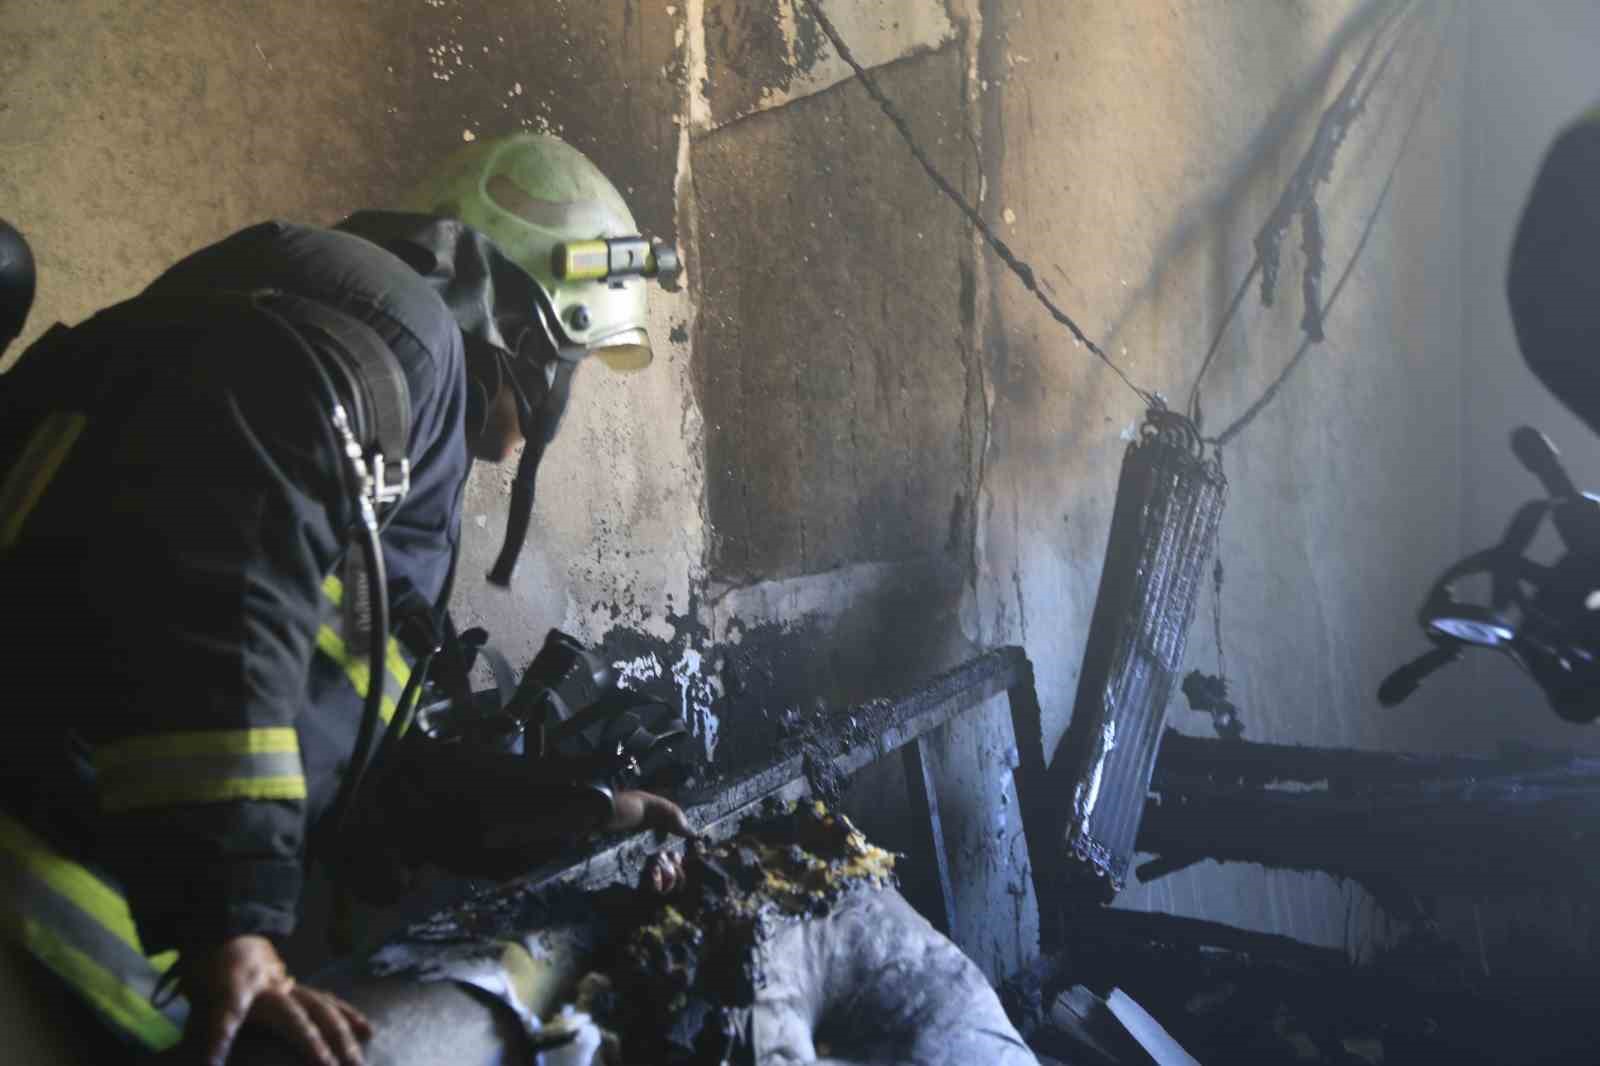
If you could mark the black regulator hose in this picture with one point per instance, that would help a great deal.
(368, 538)
(377, 661)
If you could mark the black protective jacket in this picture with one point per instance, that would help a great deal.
(179, 575)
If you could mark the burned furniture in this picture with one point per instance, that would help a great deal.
(1404, 826)
(1234, 996)
(512, 927)
(897, 728)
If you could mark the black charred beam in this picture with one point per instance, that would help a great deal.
(941, 906)
(1189, 759)
(1399, 824)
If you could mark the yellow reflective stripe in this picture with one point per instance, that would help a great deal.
(71, 881)
(397, 666)
(151, 792)
(122, 997)
(205, 766)
(225, 743)
(333, 588)
(25, 482)
(122, 1005)
(332, 646)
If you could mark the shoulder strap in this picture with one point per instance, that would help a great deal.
(370, 373)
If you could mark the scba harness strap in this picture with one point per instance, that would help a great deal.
(377, 420)
(363, 388)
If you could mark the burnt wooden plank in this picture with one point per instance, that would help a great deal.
(1043, 827)
(941, 911)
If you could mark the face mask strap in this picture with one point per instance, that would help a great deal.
(538, 370)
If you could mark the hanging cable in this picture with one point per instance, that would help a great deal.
(1314, 169)
(1196, 415)
(1272, 391)
(1017, 266)
(1297, 197)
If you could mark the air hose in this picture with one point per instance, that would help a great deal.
(377, 652)
(353, 474)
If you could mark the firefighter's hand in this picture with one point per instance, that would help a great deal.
(663, 874)
(633, 810)
(244, 982)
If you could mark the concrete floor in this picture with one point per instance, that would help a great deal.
(863, 451)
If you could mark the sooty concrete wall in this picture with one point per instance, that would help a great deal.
(863, 452)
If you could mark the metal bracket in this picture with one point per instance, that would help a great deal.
(374, 486)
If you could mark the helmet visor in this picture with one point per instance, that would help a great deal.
(624, 352)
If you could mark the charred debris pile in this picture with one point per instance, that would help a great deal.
(678, 971)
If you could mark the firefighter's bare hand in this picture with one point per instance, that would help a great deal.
(244, 982)
(663, 874)
(633, 810)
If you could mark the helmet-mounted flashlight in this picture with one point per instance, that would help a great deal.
(613, 259)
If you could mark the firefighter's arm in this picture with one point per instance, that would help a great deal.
(634, 810)
(230, 506)
(482, 813)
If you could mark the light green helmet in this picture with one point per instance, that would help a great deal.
(551, 211)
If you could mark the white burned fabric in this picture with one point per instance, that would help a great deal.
(873, 984)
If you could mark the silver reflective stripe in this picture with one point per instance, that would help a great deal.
(213, 768)
(78, 926)
(203, 779)
(200, 766)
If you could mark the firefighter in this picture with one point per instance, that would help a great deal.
(188, 686)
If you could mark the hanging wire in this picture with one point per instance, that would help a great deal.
(1216, 615)
(1314, 169)
(1272, 391)
(1196, 415)
(1297, 197)
(1021, 269)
